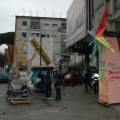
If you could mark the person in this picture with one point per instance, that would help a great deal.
(55, 75)
(48, 82)
(87, 79)
(57, 85)
(60, 64)
(62, 79)
(79, 75)
(73, 78)
(96, 82)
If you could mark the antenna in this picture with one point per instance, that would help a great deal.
(30, 13)
(23, 11)
(44, 12)
(53, 13)
(60, 14)
(37, 13)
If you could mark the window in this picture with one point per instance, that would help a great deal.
(63, 40)
(63, 26)
(34, 25)
(46, 24)
(34, 34)
(63, 36)
(42, 35)
(24, 23)
(24, 34)
(54, 25)
(117, 5)
(63, 48)
(47, 36)
(37, 34)
(54, 36)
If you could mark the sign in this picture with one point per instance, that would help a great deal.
(39, 50)
(109, 73)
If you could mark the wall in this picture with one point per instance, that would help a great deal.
(76, 22)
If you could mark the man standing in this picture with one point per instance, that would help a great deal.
(57, 85)
(48, 82)
(87, 79)
(62, 79)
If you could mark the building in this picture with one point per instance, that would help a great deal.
(79, 20)
(42, 27)
(85, 15)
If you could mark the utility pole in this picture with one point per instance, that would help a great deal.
(40, 47)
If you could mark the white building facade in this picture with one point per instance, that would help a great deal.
(41, 28)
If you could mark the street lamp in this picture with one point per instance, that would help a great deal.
(40, 47)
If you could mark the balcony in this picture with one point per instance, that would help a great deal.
(63, 30)
(34, 27)
(63, 41)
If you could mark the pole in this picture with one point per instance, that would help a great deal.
(40, 47)
(82, 64)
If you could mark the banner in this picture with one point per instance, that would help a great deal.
(37, 48)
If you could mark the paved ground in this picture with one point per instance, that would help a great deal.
(76, 104)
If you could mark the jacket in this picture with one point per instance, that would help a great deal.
(47, 80)
(58, 83)
(87, 76)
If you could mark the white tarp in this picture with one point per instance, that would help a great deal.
(76, 22)
(47, 46)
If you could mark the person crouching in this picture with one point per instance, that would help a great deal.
(57, 85)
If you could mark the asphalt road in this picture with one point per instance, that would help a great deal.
(76, 104)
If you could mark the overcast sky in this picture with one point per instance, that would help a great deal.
(11, 8)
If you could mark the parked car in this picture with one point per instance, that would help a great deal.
(4, 76)
(68, 79)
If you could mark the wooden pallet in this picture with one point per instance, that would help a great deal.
(103, 103)
(19, 100)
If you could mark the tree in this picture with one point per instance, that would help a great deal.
(3, 59)
(79, 66)
(8, 39)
